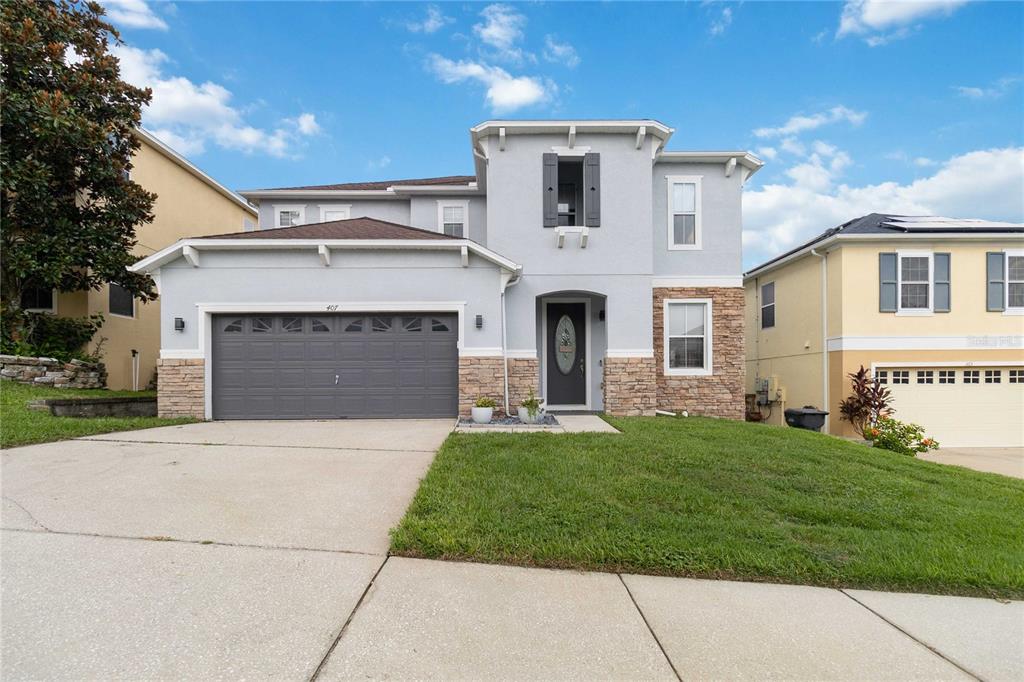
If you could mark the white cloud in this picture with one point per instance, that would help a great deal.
(767, 153)
(925, 162)
(560, 53)
(872, 18)
(793, 146)
(501, 29)
(433, 22)
(980, 184)
(719, 25)
(800, 123)
(378, 164)
(505, 92)
(998, 89)
(188, 115)
(133, 14)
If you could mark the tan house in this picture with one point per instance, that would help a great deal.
(933, 306)
(189, 203)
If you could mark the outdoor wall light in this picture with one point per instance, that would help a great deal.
(479, 321)
(600, 315)
(179, 324)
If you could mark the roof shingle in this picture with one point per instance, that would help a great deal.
(353, 228)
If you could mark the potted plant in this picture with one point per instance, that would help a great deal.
(483, 410)
(531, 410)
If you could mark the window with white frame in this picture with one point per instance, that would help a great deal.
(915, 282)
(684, 212)
(687, 343)
(329, 212)
(1015, 280)
(453, 218)
(768, 305)
(289, 215)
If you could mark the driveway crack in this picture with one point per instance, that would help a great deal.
(30, 515)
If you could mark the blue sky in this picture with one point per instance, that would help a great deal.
(860, 106)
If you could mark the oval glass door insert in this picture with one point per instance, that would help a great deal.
(565, 344)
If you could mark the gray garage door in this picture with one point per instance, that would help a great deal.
(332, 366)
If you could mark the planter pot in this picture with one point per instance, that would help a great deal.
(482, 415)
(524, 415)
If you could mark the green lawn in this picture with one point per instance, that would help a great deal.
(720, 499)
(21, 426)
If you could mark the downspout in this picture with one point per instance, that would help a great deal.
(824, 334)
(504, 338)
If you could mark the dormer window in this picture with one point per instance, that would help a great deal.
(289, 215)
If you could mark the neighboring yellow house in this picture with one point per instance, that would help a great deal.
(933, 306)
(189, 204)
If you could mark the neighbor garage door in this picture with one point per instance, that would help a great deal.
(961, 406)
(332, 366)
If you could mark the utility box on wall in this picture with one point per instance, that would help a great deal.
(767, 390)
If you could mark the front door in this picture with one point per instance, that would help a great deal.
(566, 362)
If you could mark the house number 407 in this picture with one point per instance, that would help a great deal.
(333, 306)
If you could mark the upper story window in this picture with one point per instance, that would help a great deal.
(687, 342)
(329, 212)
(914, 282)
(571, 184)
(120, 301)
(1005, 281)
(768, 305)
(453, 218)
(38, 299)
(287, 215)
(684, 212)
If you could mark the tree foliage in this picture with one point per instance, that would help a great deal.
(868, 403)
(69, 210)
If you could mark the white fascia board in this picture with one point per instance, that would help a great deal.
(317, 193)
(175, 250)
(896, 237)
(181, 161)
(488, 128)
(436, 189)
(745, 159)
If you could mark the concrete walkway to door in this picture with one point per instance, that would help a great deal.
(259, 549)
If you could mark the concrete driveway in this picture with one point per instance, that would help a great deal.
(174, 552)
(1005, 461)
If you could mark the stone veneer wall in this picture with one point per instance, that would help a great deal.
(53, 372)
(479, 377)
(630, 386)
(181, 388)
(721, 393)
(523, 376)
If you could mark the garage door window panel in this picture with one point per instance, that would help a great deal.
(901, 376)
(381, 324)
(972, 376)
(926, 377)
(993, 376)
(947, 376)
(1017, 376)
(318, 326)
(262, 325)
(291, 325)
(352, 325)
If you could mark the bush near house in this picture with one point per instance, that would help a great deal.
(906, 439)
(719, 499)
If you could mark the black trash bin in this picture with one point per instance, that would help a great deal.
(807, 417)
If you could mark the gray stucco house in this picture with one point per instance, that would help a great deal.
(581, 261)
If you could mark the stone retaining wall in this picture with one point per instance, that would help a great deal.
(182, 388)
(53, 372)
(719, 394)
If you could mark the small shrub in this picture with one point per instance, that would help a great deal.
(485, 402)
(906, 439)
(868, 404)
(532, 404)
(45, 335)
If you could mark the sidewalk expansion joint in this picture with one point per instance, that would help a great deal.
(649, 628)
(927, 646)
(165, 538)
(341, 632)
(245, 445)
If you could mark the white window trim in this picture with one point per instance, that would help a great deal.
(135, 308)
(915, 312)
(697, 236)
(1007, 310)
(708, 368)
(51, 310)
(342, 208)
(764, 305)
(449, 203)
(279, 208)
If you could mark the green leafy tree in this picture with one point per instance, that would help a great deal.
(68, 209)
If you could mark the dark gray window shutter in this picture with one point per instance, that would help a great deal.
(995, 279)
(551, 190)
(592, 183)
(887, 293)
(942, 289)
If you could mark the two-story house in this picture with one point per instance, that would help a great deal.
(581, 261)
(933, 306)
(189, 202)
